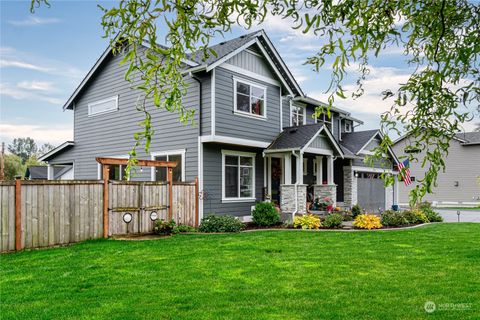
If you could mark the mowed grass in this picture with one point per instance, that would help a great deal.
(255, 275)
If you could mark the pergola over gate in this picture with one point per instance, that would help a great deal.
(107, 162)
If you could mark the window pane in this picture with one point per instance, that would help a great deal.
(177, 171)
(114, 173)
(300, 119)
(160, 172)
(243, 103)
(246, 161)
(246, 182)
(294, 119)
(231, 160)
(99, 107)
(231, 181)
(243, 88)
(257, 92)
(257, 106)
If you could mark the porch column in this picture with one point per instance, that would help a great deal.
(319, 170)
(300, 169)
(269, 173)
(49, 172)
(288, 168)
(395, 190)
(330, 169)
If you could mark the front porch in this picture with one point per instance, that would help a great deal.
(300, 168)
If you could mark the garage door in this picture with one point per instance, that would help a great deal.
(371, 191)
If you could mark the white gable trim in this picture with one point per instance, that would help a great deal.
(231, 54)
(55, 150)
(329, 135)
(368, 142)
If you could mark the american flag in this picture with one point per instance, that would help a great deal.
(404, 168)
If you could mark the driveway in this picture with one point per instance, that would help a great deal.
(450, 215)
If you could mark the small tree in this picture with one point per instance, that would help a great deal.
(23, 147)
(13, 167)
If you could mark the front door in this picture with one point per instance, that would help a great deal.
(276, 179)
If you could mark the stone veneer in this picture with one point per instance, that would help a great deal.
(349, 187)
(287, 198)
(322, 191)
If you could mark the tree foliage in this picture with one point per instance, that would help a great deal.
(439, 39)
(23, 147)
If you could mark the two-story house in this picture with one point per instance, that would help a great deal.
(254, 137)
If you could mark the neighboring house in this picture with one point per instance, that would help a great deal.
(460, 183)
(254, 136)
(42, 172)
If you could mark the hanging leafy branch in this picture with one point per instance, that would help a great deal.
(439, 38)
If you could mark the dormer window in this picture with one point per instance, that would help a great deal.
(297, 115)
(327, 121)
(250, 98)
(348, 126)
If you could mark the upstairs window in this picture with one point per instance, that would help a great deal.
(297, 115)
(326, 120)
(250, 98)
(103, 106)
(348, 126)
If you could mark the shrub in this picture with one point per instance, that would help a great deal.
(265, 214)
(393, 218)
(367, 221)
(214, 223)
(347, 216)
(432, 215)
(415, 216)
(356, 210)
(308, 221)
(333, 221)
(183, 228)
(164, 227)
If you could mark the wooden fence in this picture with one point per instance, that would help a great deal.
(45, 213)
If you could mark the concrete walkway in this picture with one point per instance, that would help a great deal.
(450, 215)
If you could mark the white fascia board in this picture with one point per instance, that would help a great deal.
(234, 141)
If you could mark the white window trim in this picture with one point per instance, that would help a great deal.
(248, 114)
(326, 121)
(240, 154)
(167, 153)
(99, 167)
(349, 127)
(90, 105)
(295, 106)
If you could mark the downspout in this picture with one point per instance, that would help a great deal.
(200, 104)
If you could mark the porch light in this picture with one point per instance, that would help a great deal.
(356, 174)
(153, 215)
(127, 217)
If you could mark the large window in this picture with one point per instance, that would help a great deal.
(297, 115)
(160, 173)
(250, 98)
(103, 106)
(238, 175)
(326, 120)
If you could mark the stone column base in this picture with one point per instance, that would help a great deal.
(322, 191)
(287, 198)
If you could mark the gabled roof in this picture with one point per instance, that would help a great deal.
(64, 146)
(465, 138)
(344, 114)
(41, 172)
(227, 49)
(356, 141)
(299, 138)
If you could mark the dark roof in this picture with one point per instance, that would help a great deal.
(61, 148)
(223, 48)
(470, 138)
(354, 141)
(40, 172)
(295, 137)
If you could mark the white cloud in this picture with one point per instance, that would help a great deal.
(33, 21)
(12, 58)
(19, 93)
(40, 133)
(36, 85)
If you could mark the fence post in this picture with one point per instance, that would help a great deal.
(196, 202)
(170, 193)
(106, 173)
(18, 213)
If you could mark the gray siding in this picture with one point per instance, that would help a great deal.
(383, 163)
(111, 134)
(233, 125)
(253, 63)
(462, 165)
(212, 181)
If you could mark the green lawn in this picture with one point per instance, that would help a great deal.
(258, 275)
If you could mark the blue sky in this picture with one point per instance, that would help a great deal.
(44, 56)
